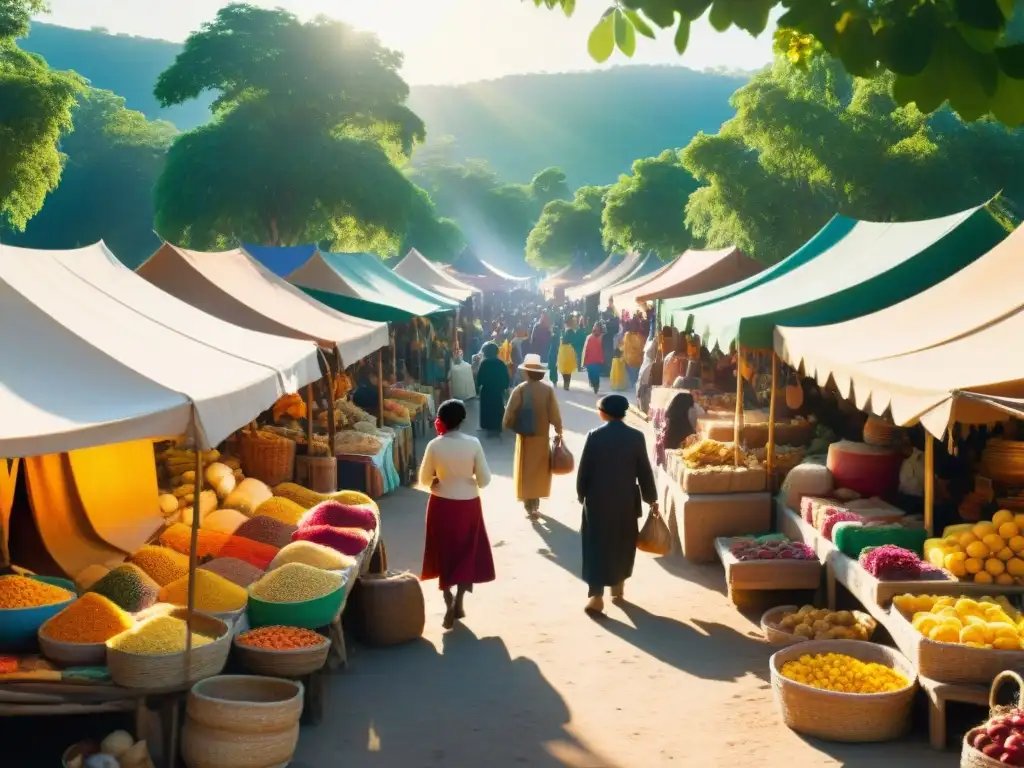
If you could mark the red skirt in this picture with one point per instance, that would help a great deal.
(457, 550)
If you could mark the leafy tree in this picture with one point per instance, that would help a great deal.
(548, 185)
(35, 110)
(105, 193)
(568, 230)
(646, 210)
(970, 52)
(809, 142)
(308, 118)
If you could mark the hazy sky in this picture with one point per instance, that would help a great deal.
(444, 41)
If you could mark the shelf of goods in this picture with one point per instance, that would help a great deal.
(769, 564)
(720, 425)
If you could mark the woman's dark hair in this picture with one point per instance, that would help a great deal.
(535, 375)
(677, 420)
(452, 413)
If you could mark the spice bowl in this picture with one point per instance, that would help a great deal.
(297, 662)
(308, 614)
(19, 627)
(73, 654)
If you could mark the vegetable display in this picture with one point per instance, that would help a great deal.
(711, 453)
(1001, 738)
(990, 552)
(843, 674)
(820, 624)
(770, 548)
(92, 618)
(23, 592)
(891, 563)
(296, 582)
(982, 623)
(160, 634)
(278, 638)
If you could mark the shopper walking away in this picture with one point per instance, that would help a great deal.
(492, 382)
(456, 549)
(579, 338)
(540, 337)
(633, 351)
(645, 379)
(614, 476)
(568, 363)
(552, 356)
(593, 357)
(532, 413)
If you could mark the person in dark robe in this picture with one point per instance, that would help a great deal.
(367, 392)
(578, 339)
(611, 330)
(492, 381)
(540, 337)
(614, 475)
(552, 355)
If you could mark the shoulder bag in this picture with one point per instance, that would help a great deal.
(525, 424)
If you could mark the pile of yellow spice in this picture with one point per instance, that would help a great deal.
(843, 674)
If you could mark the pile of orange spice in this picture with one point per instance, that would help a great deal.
(279, 638)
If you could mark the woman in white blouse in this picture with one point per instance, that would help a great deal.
(457, 551)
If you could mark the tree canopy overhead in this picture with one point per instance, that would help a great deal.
(568, 230)
(969, 52)
(309, 118)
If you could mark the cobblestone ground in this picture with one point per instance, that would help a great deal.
(675, 677)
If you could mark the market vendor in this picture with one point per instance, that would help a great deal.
(367, 392)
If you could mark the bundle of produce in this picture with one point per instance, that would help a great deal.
(157, 635)
(23, 592)
(366, 428)
(247, 497)
(982, 623)
(292, 406)
(234, 570)
(266, 530)
(988, 552)
(294, 433)
(396, 413)
(833, 518)
(225, 521)
(278, 638)
(207, 504)
(338, 515)
(280, 508)
(221, 479)
(296, 582)
(92, 618)
(351, 441)
(1000, 740)
(321, 445)
(179, 538)
(253, 552)
(348, 541)
(353, 412)
(307, 498)
(310, 553)
(213, 593)
(891, 563)
(820, 624)
(843, 674)
(342, 385)
(749, 548)
(129, 587)
(410, 396)
(341, 420)
(711, 453)
(162, 564)
(178, 465)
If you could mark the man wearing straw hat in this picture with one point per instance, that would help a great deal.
(531, 413)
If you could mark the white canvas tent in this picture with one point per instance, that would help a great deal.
(238, 289)
(93, 354)
(605, 279)
(417, 269)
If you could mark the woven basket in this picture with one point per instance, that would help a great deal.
(776, 636)
(246, 704)
(294, 663)
(73, 654)
(267, 459)
(389, 608)
(973, 758)
(173, 670)
(845, 717)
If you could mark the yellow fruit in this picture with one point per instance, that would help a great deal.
(1004, 554)
(978, 549)
(994, 542)
(1001, 517)
(972, 633)
(1019, 520)
(981, 530)
(967, 607)
(944, 633)
(943, 601)
(1005, 579)
(974, 564)
(966, 539)
(1008, 530)
(1016, 543)
(983, 577)
(995, 566)
(937, 556)
(1006, 643)
(956, 567)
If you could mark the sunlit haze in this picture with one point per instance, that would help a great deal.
(444, 41)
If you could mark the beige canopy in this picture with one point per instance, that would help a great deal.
(604, 278)
(943, 355)
(238, 289)
(93, 354)
(416, 268)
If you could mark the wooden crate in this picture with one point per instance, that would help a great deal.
(703, 518)
(767, 574)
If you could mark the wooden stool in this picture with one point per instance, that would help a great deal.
(940, 693)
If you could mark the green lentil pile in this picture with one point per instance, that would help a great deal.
(294, 583)
(128, 587)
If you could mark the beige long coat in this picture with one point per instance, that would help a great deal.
(532, 473)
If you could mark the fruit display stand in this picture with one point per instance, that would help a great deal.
(744, 577)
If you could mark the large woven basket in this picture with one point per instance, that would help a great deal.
(174, 670)
(971, 757)
(777, 636)
(388, 608)
(267, 458)
(845, 717)
(293, 663)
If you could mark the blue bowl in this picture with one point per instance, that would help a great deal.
(19, 626)
(57, 581)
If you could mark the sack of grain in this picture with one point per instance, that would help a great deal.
(387, 609)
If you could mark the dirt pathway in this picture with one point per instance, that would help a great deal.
(676, 677)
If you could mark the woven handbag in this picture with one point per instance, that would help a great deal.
(654, 537)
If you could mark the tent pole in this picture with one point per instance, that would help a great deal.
(770, 454)
(737, 428)
(380, 388)
(929, 483)
(193, 547)
(333, 370)
(309, 418)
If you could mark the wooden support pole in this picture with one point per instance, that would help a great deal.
(309, 418)
(737, 434)
(929, 483)
(770, 453)
(193, 547)
(380, 388)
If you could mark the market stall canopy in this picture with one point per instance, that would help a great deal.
(697, 272)
(978, 295)
(623, 293)
(835, 230)
(610, 277)
(359, 284)
(875, 266)
(95, 355)
(571, 273)
(487, 283)
(238, 289)
(416, 268)
(281, 260)
(469, 263)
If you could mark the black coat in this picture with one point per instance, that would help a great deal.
(614, 476)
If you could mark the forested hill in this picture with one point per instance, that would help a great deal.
(593, 125)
